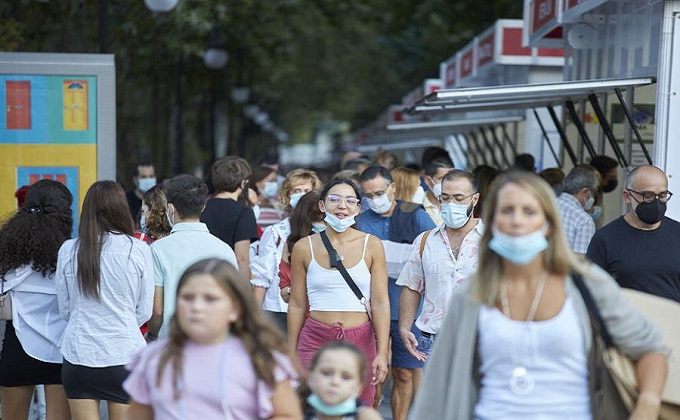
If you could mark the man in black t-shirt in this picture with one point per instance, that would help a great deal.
(641, 249)
(227, 218)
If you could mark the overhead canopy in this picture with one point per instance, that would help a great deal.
(548, 95)
(521, 96)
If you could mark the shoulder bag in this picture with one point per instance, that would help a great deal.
(336, 262)
(613, 385)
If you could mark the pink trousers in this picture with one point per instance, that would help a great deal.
(315, 334)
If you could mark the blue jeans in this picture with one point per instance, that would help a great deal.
(425, 344)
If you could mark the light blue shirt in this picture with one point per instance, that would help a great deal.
(172, 255)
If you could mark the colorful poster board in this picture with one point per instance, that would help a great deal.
(57, 121)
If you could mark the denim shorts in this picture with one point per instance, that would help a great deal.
(401, 358)
(425, 344)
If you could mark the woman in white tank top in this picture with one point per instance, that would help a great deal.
(335, 311)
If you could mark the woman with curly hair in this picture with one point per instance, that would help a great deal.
(154, 222)
(222, 359)
(29, 244)
(105, 286)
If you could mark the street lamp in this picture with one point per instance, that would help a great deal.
(160, 5)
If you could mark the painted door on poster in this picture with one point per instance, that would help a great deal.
(75, 105)
(18, 100)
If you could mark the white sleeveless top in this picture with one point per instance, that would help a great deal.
(532, 370)
(328, 291)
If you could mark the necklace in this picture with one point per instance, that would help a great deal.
(521, 381)
(341, 255)
(534, 303)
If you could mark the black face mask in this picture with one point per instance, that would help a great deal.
(651, 213)
(611, 185)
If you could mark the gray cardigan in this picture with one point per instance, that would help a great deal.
(449, 389)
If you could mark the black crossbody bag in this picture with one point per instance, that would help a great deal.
(336, 262)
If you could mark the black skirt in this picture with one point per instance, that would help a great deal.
(105, 383)
(19, 369)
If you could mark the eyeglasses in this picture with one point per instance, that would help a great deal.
(377, 194)
(649, 196)
(335, 200)
(456, 198)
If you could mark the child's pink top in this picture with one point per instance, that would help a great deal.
(215, 378)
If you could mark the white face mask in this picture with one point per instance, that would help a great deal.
(437, 189)
(419, 195)
(589, 202)
(338, 225)
(380, 204)
(171, 220)
(145, 184)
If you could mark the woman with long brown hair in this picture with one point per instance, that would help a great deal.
(105, 290)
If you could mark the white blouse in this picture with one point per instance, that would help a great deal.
(265, 265)
(105, 332)
(35, 313)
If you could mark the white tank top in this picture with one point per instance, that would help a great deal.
(328, 291)
(532, 370)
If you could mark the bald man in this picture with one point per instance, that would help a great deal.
(641, 249)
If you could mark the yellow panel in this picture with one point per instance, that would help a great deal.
(11, 156)
(75, 105)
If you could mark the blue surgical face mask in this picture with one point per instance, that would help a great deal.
(338, 225)
(295, 199)
(142, 222)
(520, 250)
(145, 184)
(456, 215)
(346, 407)
(270, 189)
(318, 227)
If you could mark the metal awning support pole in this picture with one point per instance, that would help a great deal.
(563, 135)
(546, 138)
(606, 128)
(631, 121)
(498, 143)
(480, 151)
(508, 140)
(580, 127)
(490, 147)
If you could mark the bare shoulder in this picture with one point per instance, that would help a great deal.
(369, 413)
(374, 242)
(301, 247)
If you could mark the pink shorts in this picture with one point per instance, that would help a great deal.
(315, 334)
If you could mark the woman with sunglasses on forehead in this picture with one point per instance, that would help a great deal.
(335, 311)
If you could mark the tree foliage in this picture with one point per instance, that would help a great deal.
(306, 61)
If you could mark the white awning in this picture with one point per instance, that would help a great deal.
(521, 96)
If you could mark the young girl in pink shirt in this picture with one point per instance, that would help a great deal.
(221, 359)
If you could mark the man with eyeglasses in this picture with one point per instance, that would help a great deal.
(640, 249)
(579, 189)
(438, 268)
(397, 223)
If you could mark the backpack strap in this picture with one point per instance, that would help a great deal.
(422, 243)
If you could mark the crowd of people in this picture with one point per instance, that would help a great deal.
(260, 294)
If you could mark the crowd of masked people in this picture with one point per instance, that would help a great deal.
(262, 294)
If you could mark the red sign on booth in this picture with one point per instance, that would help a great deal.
(466, 64)
(543, 12)
(451, 74)
(485, 49)
(512, 43)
